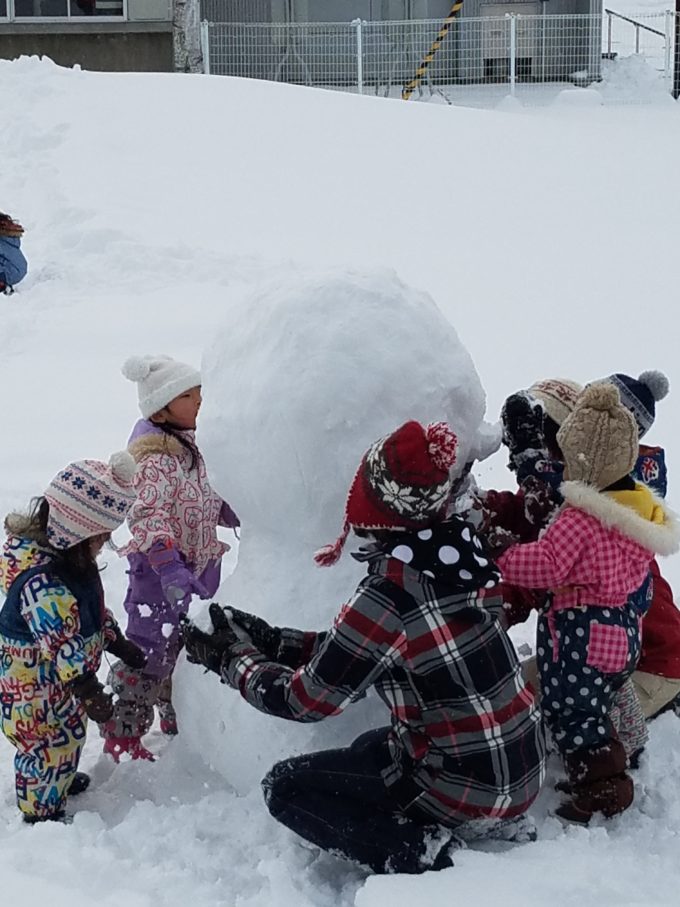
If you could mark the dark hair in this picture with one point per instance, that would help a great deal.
(626, 483)
(174, 432)
(75, 561)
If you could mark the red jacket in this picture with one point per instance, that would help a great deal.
(661, 631)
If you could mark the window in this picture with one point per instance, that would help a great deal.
(96, 7)
(40, 8)
(61, 9)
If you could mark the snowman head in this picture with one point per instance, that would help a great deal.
(306, 376)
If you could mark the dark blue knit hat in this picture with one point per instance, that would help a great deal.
(640, 395)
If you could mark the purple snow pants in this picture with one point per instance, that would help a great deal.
(153, 624)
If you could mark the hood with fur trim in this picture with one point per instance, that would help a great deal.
(637, 514)
(148, 439)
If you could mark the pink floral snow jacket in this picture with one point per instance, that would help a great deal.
(175, 502)
(597, 551)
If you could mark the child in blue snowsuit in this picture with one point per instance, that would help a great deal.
(13, 265)
(54, 628)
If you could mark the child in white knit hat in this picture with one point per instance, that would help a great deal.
(174, 553)
(54, 628)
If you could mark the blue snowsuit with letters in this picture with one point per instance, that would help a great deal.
(51, 634)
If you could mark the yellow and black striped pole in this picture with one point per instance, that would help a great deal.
(429, 56)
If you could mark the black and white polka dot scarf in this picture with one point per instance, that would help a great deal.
(450, 553)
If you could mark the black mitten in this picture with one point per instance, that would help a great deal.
(128, 651)
(522, 418)
(209, 649)
(263, 636)
(98, 704)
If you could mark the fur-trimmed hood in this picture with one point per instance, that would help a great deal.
(148, 445)
(148, 439)
(659, 532)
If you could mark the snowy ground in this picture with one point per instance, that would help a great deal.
(153, 204)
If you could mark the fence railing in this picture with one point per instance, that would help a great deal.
(503, 53)
(637, 25)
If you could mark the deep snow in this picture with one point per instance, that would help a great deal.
(155, 207)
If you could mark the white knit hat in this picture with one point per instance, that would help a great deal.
(160, 379)
(88, 498)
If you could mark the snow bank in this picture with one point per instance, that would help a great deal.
(579, 97)
(296, 386)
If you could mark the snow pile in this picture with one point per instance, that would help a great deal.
(296, 387)
(635, 79)
(579, 97)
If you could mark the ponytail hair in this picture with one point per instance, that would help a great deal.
(175, 433)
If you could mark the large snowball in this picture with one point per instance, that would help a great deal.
(298, 384)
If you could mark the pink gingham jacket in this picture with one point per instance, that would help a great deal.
(596, 552)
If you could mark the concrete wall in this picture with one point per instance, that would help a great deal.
(114, 47)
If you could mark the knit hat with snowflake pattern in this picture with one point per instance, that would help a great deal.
(403, 482)
(159, 380)
(89, 497)
(640, 395)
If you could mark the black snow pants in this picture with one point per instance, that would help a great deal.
(337, 800)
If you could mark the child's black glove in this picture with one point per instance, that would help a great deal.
(263, 636)
(128, 651)
(98, 704)
(522, 419)
(209, 649)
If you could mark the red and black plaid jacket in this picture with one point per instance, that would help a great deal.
(466, 737)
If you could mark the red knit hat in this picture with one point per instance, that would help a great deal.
(403, 482)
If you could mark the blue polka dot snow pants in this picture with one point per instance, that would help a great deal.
(584, 655)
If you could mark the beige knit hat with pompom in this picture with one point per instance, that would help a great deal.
(599, 439)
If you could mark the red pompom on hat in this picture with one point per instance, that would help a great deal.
(403, 482)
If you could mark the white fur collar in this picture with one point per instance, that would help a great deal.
(661, 538)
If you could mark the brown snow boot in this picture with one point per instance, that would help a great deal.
(598, 783)
(609, 797)
(585, 766)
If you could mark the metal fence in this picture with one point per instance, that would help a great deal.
(480, 58)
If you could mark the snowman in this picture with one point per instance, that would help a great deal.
(298, 384)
